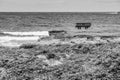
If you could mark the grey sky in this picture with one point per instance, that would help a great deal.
(59, 5)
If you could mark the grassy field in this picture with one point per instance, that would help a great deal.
(61, 62)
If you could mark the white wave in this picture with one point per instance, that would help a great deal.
(12, 41)
(18, 38)
(35, 33)
(9, 38)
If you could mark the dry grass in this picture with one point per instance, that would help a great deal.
(85, 62)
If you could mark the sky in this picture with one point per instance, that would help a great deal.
(59, 5)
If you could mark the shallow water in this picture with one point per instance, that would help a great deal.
(10, 38)
(15, 39)
(35, 33)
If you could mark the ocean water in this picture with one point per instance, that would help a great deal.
(17, 38)
(49, 21)
(33, 33)
(14, 24)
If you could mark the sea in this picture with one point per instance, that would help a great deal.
(45, 21)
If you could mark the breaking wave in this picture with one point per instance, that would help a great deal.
(12, 38)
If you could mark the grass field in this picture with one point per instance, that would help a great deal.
(61, 62)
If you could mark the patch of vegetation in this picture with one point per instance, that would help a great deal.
(85, 62)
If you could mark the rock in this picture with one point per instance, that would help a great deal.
(41, 56)
(53, 62)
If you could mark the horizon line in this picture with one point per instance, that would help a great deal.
(60, 11)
